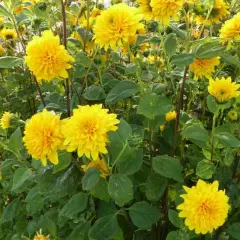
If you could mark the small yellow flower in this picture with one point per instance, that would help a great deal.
(155, 60)
(96, 12)
(6, 120)
(164, 10)
(223, 89)
(171, 115)
(162, 127)
(99, 164)
(204, 67)
(8, 34)
(119, 23)
(86, 131)
(205, 207)
(47, 58)
(219, 11)
(145, 9)
(1, 50)
(39, 236)
(196, 33)
(233, 115)
(43, 136)
(231, 29)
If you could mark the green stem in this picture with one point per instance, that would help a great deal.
(213, 132)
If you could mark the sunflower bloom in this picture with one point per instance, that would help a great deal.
(43, 136)
(86, 131)
(47, 58)
(223, 89)
(219, 11)
(5, 121)
(164, 10)
(204, 67)
(231, 29)
(145, 9)
(171, 115)
(99, 164)
(39, 236)
(8, 34)
(205, 207)
(119, 23)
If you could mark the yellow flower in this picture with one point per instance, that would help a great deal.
(5, 121)
(96, 12)
(39, 236)
(47, 58)
(86, 131)
(162, 127)
(195, 33)
(43, 136)
(231, 29)
(233, 115)
(155, 60)
(8, 34)
(119, 23)
(99, 164)
(223, 89)
(145, 9)
(1, 50)
(171, 115)
(205, 207)
(204, 67)
(164, 10)
(219, 11)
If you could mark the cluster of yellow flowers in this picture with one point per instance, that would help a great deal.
(86, 131)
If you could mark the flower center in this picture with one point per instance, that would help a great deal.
(49, 59)
(9, 36)
(204, 208)
(90, 128)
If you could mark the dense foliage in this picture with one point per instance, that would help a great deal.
(121, 121)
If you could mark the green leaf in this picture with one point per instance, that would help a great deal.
(94, 93)
(47, 225)
(132, 163)
(233, 230)
(143, 214)
(35, 206)
(181, 33)
(20, 176)
(209, 50)
(80, 232)
(205, 169)
(10, 62)
(120, 189)
(10, 211)
(123, 89)
(65, 159)
(182, 60)
(168, 167)
(100, 191)
(212, 104)
(228, 139)
(170, 44)
(131, 69)
(90, 178)
(15, 141)
(196, 132)
(154, 105)
(83, 60)
(5, 13)
(155, 187)
(228, 157)
(175, 219)
(104, 228)
(75, 205)
(229, 59)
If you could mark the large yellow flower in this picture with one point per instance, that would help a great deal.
(8, 34)
(205, 207)
(223, 89)
(99, 164)
(86, 131)
(204, 67)
(115, 25)
(145, 9)
(164, 10)
(47, 58)
(231, 29)
(6, 120)
(219, 11)
(43, 136)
